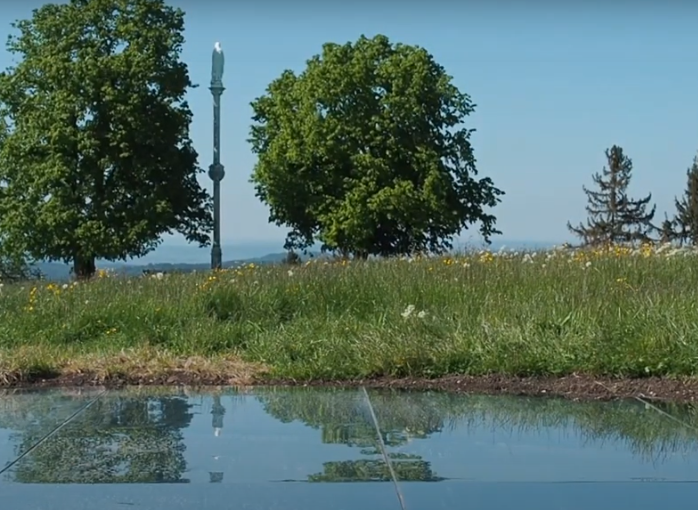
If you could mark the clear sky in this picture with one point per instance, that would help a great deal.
(555, 84)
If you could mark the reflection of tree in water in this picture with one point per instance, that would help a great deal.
(644, 431)
(119, 439)
(376, 470)
(344, 418)
(127, 438)
(640, 428)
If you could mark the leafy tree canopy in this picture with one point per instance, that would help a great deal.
(365, 151)
(97, 161)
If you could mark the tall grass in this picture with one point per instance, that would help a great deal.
(612, 312)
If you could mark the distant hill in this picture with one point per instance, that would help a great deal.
(58, 271)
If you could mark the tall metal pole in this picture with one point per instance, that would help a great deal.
(216, 171)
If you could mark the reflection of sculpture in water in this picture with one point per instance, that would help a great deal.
(217, 413)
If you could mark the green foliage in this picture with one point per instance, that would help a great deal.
(365, 151)
(552, 314)
(14, 268)
(613, 216)
(97, 160)
(686, 218)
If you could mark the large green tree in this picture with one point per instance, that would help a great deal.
(97, 162)
(13, 266)
(614, 217)
(366, 152)
(686, 218)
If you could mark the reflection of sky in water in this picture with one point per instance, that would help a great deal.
(232, 439)
(252, 446)
(548, 455)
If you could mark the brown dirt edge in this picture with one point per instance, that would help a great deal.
(574, 387)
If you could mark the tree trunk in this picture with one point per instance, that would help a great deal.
(84, 267)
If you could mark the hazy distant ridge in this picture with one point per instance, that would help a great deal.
(59, 271)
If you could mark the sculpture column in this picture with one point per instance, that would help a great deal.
(216, 171)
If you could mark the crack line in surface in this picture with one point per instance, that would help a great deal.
(641, 398)
(665, 414)
(384, 451)
(53, 432)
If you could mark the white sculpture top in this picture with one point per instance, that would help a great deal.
(218, 62)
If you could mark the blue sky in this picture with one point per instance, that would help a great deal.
(555, 85)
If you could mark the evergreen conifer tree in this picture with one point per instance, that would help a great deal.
(686, 218)
(613, 216)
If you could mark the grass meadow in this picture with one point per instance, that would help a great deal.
(618, 312)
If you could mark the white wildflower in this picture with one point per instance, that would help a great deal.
(290, 273)
(408, 311)
(527, 258)
(421, 314)
(64, 286)
(588, 264)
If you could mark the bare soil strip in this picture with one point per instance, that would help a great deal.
(575, 387)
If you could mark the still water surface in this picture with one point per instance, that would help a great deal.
(310, 449)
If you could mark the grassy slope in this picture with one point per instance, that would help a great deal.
(557, 313)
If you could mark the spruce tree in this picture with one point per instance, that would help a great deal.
(613, 216)
(667, 231)
(686, 217)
